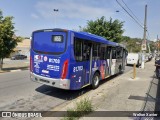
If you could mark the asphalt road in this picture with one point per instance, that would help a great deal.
(18, 92)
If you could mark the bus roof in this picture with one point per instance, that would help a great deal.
(96, 38)
(86, 35)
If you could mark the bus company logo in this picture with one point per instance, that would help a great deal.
(38, 58)
(45, 58)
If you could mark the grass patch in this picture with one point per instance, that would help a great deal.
(82, 108)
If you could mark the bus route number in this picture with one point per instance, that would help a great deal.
(78, 68)
(54, 60)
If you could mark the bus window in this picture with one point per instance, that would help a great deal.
(86, 50)
(108, 51)
(102, 52)
(113, 53)
(119, 52)
(78, 49)
(96, 47)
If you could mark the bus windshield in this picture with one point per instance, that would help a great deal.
(49, 42)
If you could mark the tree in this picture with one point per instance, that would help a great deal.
(111, 30)
(7, 41)
(132, 44)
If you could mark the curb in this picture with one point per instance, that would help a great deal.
(16, 70)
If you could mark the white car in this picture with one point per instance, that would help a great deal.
(134, 58)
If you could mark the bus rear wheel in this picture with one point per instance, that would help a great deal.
(95, 80)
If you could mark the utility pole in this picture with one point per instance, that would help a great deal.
(157, 45)
(56, 11)
(148, 44)
(144, 47)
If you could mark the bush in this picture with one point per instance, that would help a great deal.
(83, 107)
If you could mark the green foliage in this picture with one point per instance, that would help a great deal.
(152, 46)
(7, 41)
(132, 44)
(19, 39)
(111, 30)
(83, 107)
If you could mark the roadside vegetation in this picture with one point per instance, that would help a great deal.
(82, 108)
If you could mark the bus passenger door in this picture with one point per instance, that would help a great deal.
(87, 58)
(113, 61)
(108, 60)
(123, 59)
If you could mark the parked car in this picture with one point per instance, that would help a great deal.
(18, 57)
(149, 56)
(134, 58)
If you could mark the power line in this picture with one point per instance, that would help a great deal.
(131, 12)
(136, 20)
(130, 15)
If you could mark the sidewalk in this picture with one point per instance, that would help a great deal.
(14, 65)
(122, 93)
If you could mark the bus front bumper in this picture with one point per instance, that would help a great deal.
(58, 83)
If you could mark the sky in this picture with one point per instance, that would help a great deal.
(31, 15)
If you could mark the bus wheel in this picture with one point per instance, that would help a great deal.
(95, 80)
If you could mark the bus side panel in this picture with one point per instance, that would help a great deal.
(95, 68)
(103, 64)
(76, 69)
(80, 70)
(76, 76)
(99, 66)
(113, 66)
(108, 68)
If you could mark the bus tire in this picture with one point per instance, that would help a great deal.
(95, 80)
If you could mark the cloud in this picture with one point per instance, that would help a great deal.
(34, 16)
(73, 9)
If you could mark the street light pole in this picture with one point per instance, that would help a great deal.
(56, 11)
(144, 47)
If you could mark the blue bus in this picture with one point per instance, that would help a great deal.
(71, 60)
